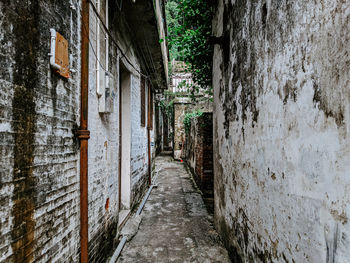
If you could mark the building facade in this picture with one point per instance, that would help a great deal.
(40, 116)
(281, 130)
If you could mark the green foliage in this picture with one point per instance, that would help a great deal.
(188, 117)
(167, 107)
(170, 95)
(170, 68)
(172, 13)
(189, 30)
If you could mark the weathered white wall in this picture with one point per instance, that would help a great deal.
(125, 139)
(281, 130)
(139, 150)
(103, 152)
(104, 143)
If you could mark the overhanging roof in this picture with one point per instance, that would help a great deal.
(145, 17)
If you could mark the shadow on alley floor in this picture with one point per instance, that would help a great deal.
(175, 226)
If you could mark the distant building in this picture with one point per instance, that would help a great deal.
(186, 100)
(181, 78)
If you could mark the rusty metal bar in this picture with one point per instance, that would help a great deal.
(83, 133)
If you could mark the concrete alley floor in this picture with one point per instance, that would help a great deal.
(175, 226)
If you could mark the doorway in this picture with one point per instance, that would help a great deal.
(124, 141)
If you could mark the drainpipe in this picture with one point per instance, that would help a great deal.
(83, 133)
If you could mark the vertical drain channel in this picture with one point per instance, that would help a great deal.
(139, 210)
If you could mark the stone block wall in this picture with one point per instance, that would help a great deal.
(180, 110)
(281, 130)
(39, 172)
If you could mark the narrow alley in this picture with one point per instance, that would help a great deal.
(175, 225)
(174, 131)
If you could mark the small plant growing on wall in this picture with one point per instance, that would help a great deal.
(188, 117)
(167, 106)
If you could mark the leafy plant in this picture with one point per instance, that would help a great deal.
(188, 117)
(167, 107)
(172, 14)
(189, 30)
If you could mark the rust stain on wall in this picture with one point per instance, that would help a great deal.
(26, 40)
(341, 217)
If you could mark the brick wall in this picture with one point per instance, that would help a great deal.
(39, 190)
(199, 151)
(39, 171)
(104, 142)
(103, 153)
(139, 150)
(182, 106)
(104, 145)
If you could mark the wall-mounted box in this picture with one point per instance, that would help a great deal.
(108, 93)
(59, 60)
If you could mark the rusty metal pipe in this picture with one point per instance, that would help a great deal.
(83, 133)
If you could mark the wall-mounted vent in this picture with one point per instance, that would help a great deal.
(59, 54)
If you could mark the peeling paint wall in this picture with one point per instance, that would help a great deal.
(281, 130)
